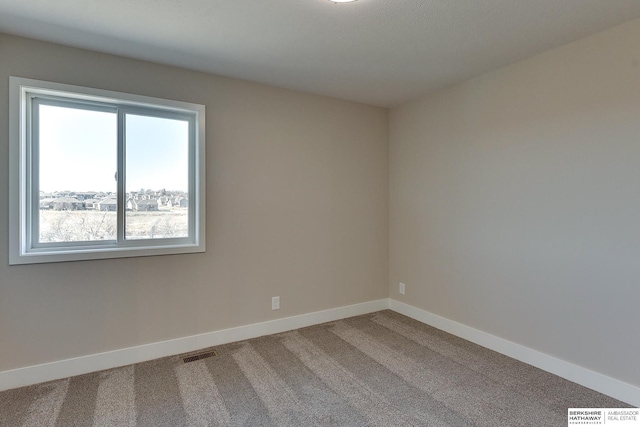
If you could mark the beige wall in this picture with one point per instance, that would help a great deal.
(515, 202)
(297, 206)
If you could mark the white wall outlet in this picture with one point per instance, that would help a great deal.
(275, 303)
(401, 288)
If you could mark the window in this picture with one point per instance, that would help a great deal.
(99, 174)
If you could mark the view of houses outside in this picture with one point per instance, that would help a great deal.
(78, 151)
(91, 216)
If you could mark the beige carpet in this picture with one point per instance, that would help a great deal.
(381, 369)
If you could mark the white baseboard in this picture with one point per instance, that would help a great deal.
(610, 386)
(96, 362)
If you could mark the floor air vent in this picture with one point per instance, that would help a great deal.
(200, 356)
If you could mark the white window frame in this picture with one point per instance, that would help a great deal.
(23, 194)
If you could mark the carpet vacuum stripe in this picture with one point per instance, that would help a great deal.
(375, 407)
(281, 402)
(45, 410)
(115, 405)
(200, 396)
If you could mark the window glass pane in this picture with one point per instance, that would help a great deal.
(157, 177)
(77, 165)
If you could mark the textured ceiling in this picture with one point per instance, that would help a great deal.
(381, 52)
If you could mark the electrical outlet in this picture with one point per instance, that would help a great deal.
(401, 288)
(275, 303)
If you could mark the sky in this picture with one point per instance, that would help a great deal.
(78, 151)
